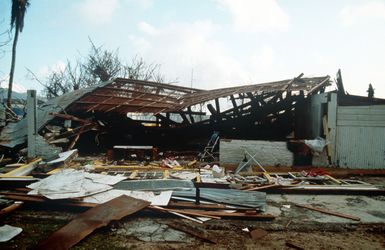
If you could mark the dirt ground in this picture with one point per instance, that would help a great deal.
(303, 229)
(149, 231)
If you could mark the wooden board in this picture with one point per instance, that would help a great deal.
(321, 210)
(94, 218)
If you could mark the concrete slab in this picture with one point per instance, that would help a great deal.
(371, 209)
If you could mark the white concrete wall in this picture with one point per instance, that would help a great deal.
(267, 153)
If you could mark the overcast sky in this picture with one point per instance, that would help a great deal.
(224, 42)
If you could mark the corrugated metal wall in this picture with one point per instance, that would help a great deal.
(360, 137)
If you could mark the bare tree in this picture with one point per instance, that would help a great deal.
(139, 69)
(99, 65)
(5, 38)
(58, 82)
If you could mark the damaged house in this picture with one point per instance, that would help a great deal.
(194, 154)
(170, 117)
(276, 117)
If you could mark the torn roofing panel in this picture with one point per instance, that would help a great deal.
(126, 95)
(15, 134)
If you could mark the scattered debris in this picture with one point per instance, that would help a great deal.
(70, 183)
(144, 139)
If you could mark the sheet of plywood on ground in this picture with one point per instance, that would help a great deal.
(92, 219)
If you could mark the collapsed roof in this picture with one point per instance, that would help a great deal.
(122, 96)
(127, 95)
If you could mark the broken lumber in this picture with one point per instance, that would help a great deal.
(261, 187)
(23, 170)
(94, 218)
(69, 117)
(321, 210)
(10, 208)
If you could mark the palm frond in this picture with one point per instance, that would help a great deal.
(19, 7)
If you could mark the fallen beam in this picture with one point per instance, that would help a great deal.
(321, 210)
(94, 218)
(185, 212)
(190, 205)
(23, 170)
(10, 208)
(237, 215)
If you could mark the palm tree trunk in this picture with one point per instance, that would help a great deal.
(13, 62)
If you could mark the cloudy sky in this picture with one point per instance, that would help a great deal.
(224, 42)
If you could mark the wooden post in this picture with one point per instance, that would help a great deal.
(32, 123)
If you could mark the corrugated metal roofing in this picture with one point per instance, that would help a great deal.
(360, 141)
(16, 133)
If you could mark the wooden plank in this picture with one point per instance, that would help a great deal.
(191, 205)
(321, 210)
(74, 140)
(10, 208)
(23, 170)
(133, 174)
(327, 135)
(333, 179)
(332, 124)
(318, 86)
(262, 187)
(94, 218)
(238, 215)
(166, 174)
(69, 117)
(235, 106)
(186, 212)
(268, 177)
